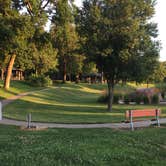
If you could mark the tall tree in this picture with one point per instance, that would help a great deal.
(15, 29)
(18, 30)
(64, 34)
(115, 35)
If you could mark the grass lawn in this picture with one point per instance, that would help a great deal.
(16, 88)
(70, 103)
(82, 147)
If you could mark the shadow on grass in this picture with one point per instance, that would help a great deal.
(65, 96)
(61, 113)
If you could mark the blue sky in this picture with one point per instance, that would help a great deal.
(159, 19)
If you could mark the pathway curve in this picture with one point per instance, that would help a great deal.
(13, 98)
(104, 125)
(58, 125)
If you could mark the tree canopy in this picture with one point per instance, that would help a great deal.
(118, 35)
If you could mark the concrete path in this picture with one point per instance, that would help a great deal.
(13, 98)
(58, 125)
(105, 125)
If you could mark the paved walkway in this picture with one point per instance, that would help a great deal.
(105, 125)
(13, 98)
(57, 125)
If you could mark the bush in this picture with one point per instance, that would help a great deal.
(117, 97)
(126, 99)
(139, 99)
(39, 81)
(155, 99)
(145, 99)
(104, 98)
(129, 98)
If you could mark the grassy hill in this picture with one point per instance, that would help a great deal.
(76, 103)
(70, 103)
(16, 88)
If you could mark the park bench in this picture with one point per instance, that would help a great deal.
(131, 115)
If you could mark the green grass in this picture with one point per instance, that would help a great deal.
(70, 103)
(82, 147)
(16, 87)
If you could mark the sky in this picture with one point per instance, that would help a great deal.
(159, 19)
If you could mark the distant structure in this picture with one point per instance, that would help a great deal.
(17, 74)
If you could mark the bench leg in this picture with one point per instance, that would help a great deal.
(131, 121)
(158, 122)
(131, 126)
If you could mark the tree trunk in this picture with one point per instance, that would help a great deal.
(102, 77)
(2, 74)
(110, 94)
(9, 72)
(77, 79)
(64, 72)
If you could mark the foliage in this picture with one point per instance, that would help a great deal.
(89, 67)
(64, 38)
(22, 33)
(159, 73)
(104, 98)
(145, 100)
(39, 81)
(138, 99)
(155, 99)
(126, 99)
(75, 64)
(122, 47)
(162, 88)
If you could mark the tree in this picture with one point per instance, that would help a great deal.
(159, 73)
(40, 56)
(19, 28)
(64, 34)
(15, 29)
(75, 66)
(115, 35)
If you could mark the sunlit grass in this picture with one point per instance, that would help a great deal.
(141, 85)
(16, 87)
(69, 103)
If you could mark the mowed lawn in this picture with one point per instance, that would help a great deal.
(82, 147)
(16, 87)
(70, 103)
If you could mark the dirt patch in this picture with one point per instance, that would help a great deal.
(33, 128)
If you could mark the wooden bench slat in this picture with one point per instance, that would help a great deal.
(142, 113)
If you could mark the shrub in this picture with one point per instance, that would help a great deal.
(145, 99)
(39, 81)
(126, 99)
(155, 99)
(117, 97)
(104, 98)
(138, 99)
